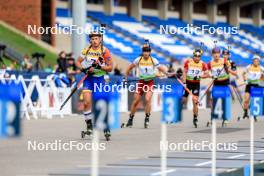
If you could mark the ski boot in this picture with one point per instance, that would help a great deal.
(107, 134)
(146, 122)
(256, 118)
(209, 123)
(195, 121)
(224, 123)
(245, 114)
(130, 121)
(89, 129)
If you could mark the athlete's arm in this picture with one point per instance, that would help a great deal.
(244, 74)
(108, 61)
(80, 59)
(232, 70)
(205, 72)
(185, 70)
(163, 69)
(209, 68)
(130, 67)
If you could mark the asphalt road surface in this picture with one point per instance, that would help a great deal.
(131, 151)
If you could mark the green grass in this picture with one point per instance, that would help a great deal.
(7, 61)
(24, 46)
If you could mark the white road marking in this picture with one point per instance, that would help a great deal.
(231, 170)
(260, 151)
(235, 156)
(167, 171)
(203, 163)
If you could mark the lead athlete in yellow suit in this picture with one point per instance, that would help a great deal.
(95, 61)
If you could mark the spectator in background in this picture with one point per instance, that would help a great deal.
(117, 70)
(62, 63)
(3, 66)
(71, 68)
(3, 73)
(48, 69)
(26, 65)
(14, 66)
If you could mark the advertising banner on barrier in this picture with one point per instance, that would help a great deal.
(53, 100)
(9, 110)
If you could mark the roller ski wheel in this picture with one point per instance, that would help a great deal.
(224, 123)
(84, 133)
(195, 122)
(123, 125)
(107, 135)
(146, 123)
(238, 118)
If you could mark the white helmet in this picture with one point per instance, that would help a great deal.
(256, 57)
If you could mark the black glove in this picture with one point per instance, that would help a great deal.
(179, 73)
(233, 66)
(226, 68)
(214, 78)
(101, 60)
(96, 66)
(85, 70)
(196, 78)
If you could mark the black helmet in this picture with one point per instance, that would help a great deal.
(198, 53)
(146, 48)
(226, 52)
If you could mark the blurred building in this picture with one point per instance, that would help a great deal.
(21, 13)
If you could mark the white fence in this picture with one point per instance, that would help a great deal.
(49, 98)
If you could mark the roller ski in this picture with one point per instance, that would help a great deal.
(244, 117)
(129, 123)
(107, 135)
(195, 121)
(146, 121)
(89, 129)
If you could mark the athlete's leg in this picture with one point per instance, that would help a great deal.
(148, 98)
(133, 109)
(232, 91)
(186, 94)
(87, 104)
(136, 100)
(246, 104)
(196, 91)
(195, 104)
